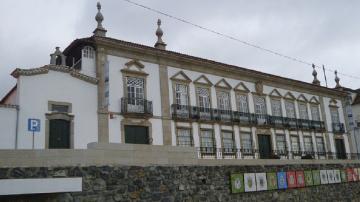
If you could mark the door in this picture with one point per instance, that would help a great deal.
(59, 134)
(136, 135)
(340, 149)
(264, 146)
(135, 88)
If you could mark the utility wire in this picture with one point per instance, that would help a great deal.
(236, 39)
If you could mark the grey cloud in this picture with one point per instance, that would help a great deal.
(323, 32)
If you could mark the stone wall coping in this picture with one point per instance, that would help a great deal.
(134, 155)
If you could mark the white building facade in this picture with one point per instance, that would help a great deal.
(105, 90)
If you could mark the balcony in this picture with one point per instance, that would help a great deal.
(262, 120)
(193, 113)
(290, 123)
(243, 118)
(317, 125)
(136, 107)
(304, 124)
(277, 121)
(338, 128)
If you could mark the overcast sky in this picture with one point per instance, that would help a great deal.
(321, 32)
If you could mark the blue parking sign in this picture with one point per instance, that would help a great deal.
(34, 125)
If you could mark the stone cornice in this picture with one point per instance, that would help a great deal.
(59, 68)
(184, 59)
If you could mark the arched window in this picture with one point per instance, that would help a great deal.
(88, 52)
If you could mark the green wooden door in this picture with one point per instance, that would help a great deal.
(59, 134)
(264, 146)
(136, 135)
(340, 149)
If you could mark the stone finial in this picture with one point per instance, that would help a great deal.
(314, 73)
(337, 80)
(159, 33)
(100, 30)
(57, 58)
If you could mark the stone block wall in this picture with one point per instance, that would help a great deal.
(176, 183)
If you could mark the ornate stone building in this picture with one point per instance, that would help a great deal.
(101, 89)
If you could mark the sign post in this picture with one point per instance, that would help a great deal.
(33, 126)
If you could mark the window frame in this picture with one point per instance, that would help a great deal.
(190, 136)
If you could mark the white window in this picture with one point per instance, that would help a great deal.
(308, 144)
(242, 103)
(228, 140)
(290, 109)
(181, 94)
(320, 144)
(223, 100)
(135, 99)
(184, 137)
(203, 97)
(260, 105)
(334, 115)
(295, 145)
(281, 142)
(276, 107)
(246, 141)
(88, 52)
(303, 111)
(315, 114)
(207, 139)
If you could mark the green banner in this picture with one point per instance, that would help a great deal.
(237, 183)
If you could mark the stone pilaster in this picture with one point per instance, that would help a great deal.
(323, 115)
(165, 105)
(103, 117)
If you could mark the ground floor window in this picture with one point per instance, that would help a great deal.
(246, 142)
(228, 141)
(295, 144)
(280, 142)
(207, 141)
(320, 144)
(308, 143)
(184, 137)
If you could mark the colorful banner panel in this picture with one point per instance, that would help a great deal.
(300, 179)
(343, 175)
(261, 182)
(282, 183)
(316, 177)
(237, 183)
(324, 177)
(350, 174)
(330, 176)
(272, 181)
(337, 176)
(249, 182)
(355, 174)
(308, 178)
(291, 179)
(358, 174)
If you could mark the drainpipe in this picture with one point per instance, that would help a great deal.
(17, 127)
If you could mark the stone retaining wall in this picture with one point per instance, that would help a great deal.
(176, 183)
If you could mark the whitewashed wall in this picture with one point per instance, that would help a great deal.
(116, 93)
(7, 127)
(35, 92)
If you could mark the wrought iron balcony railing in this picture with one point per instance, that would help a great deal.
(317, 125)
(277, 121)
(338, 128)
(136, 107)
(191, 113)
(304, 124)
(290, 123)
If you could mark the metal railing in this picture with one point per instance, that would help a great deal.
(235, 153)
(338, 128)
(136, 106)
(194, 113)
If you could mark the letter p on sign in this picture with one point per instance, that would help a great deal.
(34, 125)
